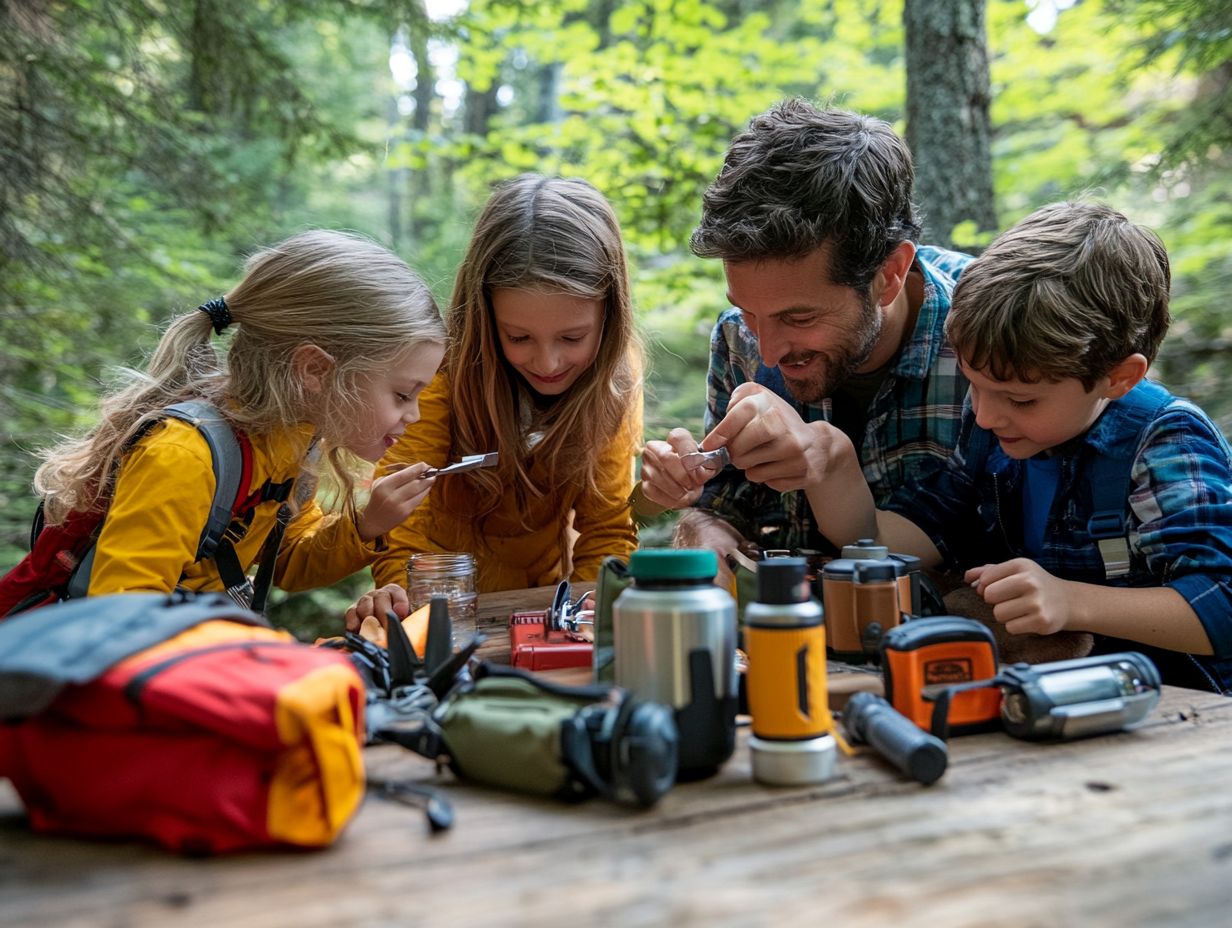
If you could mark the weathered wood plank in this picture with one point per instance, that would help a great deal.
(1127, 829)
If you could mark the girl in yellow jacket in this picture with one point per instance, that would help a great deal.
(543, 367)
(335, 338)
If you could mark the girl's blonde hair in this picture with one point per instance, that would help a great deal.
(343, 293)
(554, 235)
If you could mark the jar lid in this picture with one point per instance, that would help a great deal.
(673, 564)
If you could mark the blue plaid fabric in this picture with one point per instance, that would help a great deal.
(1179, 518)
(913, 422)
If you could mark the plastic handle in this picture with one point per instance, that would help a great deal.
(912, 750)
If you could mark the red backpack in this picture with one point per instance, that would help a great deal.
(61, 556)
(180, 719)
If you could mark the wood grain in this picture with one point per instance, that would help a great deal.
(1124, 829)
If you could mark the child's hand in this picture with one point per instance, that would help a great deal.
(393, 498)
(1025, 597)
(665, 480)
(378, 603)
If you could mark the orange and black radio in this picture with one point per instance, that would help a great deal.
(923, 658)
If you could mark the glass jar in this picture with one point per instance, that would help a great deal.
(445, 574)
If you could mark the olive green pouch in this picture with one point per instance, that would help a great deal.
(514, 730)
(613, 578)
(745, 572)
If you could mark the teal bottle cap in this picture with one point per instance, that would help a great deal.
(673, 564)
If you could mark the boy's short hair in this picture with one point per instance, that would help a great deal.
(801, 176)
(1069, 292)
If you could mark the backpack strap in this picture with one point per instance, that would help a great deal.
(231, 454)
(1110, 476)
(231, 457)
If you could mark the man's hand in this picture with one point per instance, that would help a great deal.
(378, 603)
(769, 441)
(1024, 596)
(665, 480)
(392, 500)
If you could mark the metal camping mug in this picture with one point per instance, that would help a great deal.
(674, 633)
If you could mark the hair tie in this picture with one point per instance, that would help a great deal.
(218, 312)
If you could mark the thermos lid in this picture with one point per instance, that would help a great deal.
(864, 549)
(847, 569)
(673, 564)
(870, 571)
(781, 580)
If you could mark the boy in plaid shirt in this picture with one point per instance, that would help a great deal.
(1055, 326)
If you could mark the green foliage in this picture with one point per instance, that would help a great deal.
(144, 149)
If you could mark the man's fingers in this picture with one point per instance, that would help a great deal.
(1011, 609)
(990, 574)
(739, 416)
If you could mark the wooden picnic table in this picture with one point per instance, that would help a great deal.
(1133, 828)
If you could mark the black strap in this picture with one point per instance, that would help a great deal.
(235, 581)
(269, 555)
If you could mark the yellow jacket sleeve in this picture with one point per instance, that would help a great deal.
(427, 440)
(604, 520)
(161, 502)
(319, 550)
(162, 498)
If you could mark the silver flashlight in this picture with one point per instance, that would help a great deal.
(1077, 698)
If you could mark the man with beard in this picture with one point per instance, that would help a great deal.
(835, 335)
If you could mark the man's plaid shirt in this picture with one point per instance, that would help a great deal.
(912, 427)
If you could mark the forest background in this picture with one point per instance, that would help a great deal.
(147, 146)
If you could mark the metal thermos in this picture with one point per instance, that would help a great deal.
(785, 638)
(675, 638)
(865, 593)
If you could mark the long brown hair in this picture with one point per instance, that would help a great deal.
(555, 235)
(347, 295)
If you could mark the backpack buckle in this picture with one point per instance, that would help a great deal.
(1106, 525)
(1107, 530)
(1115, 553)
(241, 594)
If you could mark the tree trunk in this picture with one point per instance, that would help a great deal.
(947, 115)
(395, 179)
(418, 182)
(478, 107)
